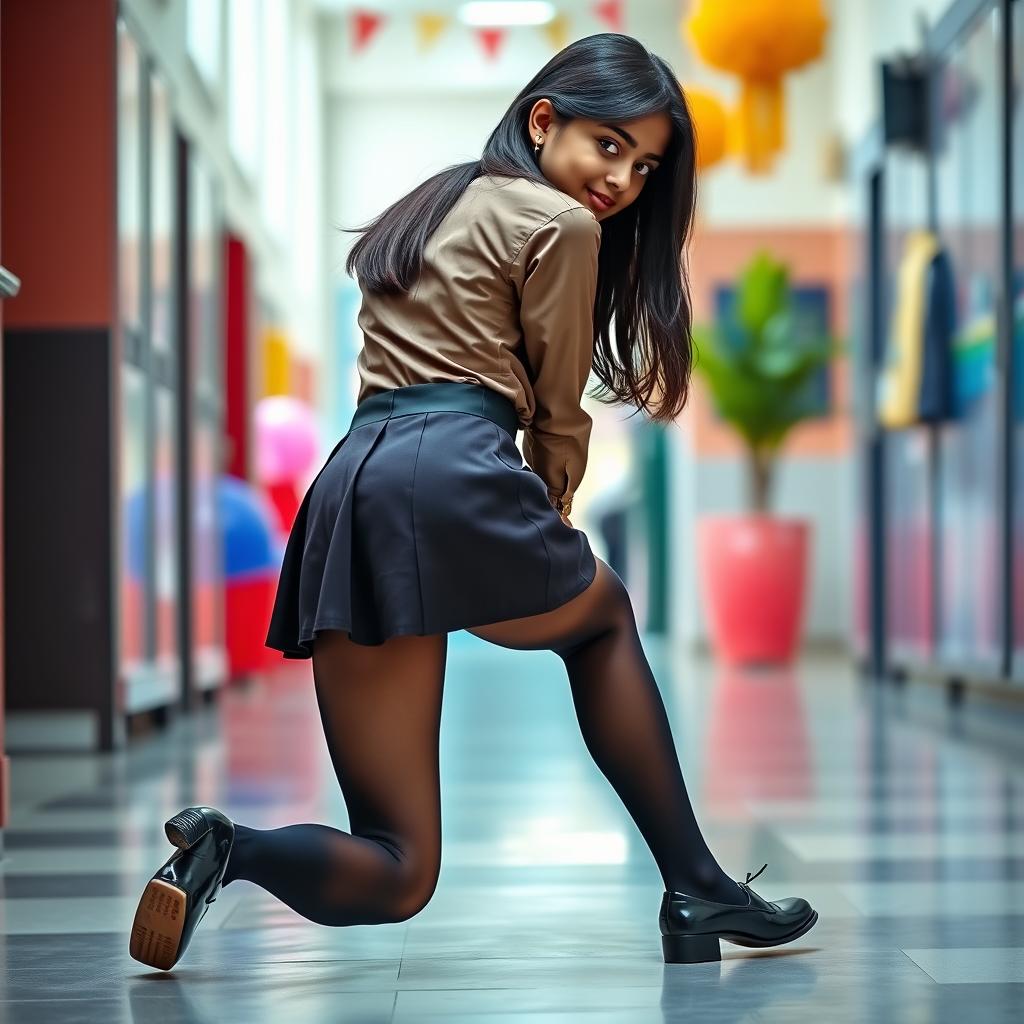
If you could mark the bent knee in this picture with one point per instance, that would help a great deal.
(412, 898)
(398, 902)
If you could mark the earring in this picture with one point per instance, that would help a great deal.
(536, 149)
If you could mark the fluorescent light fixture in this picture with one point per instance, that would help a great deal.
(506, 12)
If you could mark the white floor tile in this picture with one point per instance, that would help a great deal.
(972, 966)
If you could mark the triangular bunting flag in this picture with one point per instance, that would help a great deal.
(428, 28)
(557, 31)
(490, 40)
(364, 26)
(610, 12)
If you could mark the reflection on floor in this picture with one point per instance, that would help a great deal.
(900, 819)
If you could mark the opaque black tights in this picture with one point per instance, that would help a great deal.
(381, 709)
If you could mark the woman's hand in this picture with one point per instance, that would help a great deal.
(554, 505)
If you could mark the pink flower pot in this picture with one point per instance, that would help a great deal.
(753, 572)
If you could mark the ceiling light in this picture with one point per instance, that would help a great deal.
(506, 12)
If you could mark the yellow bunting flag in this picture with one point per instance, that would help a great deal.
(557, 32)
(428, 27)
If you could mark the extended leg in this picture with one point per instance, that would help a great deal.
(624, 725)
(381, 711)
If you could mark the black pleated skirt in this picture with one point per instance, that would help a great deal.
(424, 519)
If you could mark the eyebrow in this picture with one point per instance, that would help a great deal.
(629, 138)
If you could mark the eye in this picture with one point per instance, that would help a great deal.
(646, 167)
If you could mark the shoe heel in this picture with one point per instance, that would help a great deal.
(690, 949)
(184, 830)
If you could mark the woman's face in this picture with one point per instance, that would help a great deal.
(584, 157)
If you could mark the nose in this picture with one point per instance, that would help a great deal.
(620, 180)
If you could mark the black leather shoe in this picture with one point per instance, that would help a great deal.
(179, 894)
(691, 927)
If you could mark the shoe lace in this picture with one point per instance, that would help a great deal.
(751, 877)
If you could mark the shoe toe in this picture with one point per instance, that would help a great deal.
(794, 909)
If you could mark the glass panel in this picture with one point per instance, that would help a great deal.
(908, 522)
(202, 40)
(129, 170)
(163, 372)
(205, 322)
(208, 579)
(275, 122)
(132, 561)
(1017, 308)
(245, 84)
(166, 537)
(162, 216)
(205, 307)
(861, 364)
(135, 515)
(968, 209)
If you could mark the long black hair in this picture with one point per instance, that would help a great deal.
(643, 282)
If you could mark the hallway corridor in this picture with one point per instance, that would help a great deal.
(901, 820)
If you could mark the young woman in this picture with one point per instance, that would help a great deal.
(488, 296)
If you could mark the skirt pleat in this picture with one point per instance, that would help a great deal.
(423, 523)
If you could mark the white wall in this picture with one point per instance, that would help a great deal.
(379, 148)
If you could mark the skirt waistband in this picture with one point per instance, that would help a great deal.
(439, 396)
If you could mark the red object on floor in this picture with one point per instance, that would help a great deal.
(249, 601)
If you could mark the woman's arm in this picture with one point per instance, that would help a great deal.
(555, 277)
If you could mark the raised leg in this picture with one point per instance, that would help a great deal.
(624, 725)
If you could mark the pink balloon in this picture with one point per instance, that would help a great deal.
(286, 439)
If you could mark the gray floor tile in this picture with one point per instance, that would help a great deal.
(906, 839)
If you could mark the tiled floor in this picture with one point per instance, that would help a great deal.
(900, 819)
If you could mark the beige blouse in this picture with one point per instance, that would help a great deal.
(506, 300)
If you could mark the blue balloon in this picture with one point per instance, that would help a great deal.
(249, 534)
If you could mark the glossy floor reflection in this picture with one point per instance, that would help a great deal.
(900, 819)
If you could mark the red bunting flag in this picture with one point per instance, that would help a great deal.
(490, 40)
(610, 12)
(364, 26)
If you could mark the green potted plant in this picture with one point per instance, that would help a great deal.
(759, 376)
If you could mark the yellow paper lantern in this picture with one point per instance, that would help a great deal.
(758, 40)
(709, 125)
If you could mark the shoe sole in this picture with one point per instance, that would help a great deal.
(754, 943)
(159, 921)
(699, 949)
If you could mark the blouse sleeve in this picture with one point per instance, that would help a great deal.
(554, 274)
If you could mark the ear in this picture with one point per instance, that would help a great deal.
(541, 115)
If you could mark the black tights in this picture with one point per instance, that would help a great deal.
(381, 709)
